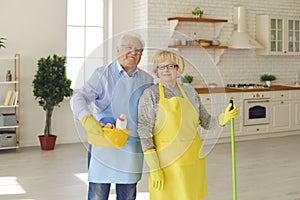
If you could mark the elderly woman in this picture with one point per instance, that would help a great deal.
(169, 114)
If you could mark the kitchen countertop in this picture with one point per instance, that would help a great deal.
(229, 89)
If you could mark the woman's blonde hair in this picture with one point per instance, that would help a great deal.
(162, 55)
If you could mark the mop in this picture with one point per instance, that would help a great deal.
(233, 155)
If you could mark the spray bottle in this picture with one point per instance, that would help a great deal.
(121, 122)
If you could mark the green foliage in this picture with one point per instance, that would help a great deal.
(187, 78)
(267, 77)
(197, 11)
(51, 85)
(2, 44)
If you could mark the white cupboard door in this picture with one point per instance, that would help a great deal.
(270, 33)
(279, 35)
(297, 115)
(281, 116)
(293, 42)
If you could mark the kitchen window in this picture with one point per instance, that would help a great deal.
(85, 36)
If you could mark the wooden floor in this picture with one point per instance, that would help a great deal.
(267, 169)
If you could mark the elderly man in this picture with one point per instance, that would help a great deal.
(113, 90)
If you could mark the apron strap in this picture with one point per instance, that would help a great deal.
(162, 93)
(182, 91)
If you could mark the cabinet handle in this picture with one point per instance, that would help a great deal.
(258, 101)
(282, 102)
(257, 129)
(282, 95)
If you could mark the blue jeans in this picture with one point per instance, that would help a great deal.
(100, 191)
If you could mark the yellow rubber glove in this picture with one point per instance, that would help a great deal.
(93, 129)
(224, 118)
(156, 173)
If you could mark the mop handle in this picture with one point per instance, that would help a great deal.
(233, 155)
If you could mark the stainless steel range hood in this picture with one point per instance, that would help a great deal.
(240, 39)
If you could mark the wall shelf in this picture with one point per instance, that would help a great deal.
(196, 46)
(10, 134)
(192, 19)
(218, 53)
(218, 24)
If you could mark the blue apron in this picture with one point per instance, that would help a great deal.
(109, 165)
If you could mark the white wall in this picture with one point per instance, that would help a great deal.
(235, 65)
(36, 28)
(122, 16)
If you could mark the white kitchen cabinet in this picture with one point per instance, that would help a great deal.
(257, 129)
(296, 109)
(296, 121)
(218, 25)
(284, 117)
(297, 115)
(281, 112)
(293, 36)
(281, 115)
(279, 35)
(216, 103)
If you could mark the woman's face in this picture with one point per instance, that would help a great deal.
(167, 72)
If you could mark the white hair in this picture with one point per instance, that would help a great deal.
(130, 35)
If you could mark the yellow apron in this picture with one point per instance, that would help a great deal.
(178, 144)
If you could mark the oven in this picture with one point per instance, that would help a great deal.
(256, 108)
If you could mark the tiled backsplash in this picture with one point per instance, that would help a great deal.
(235, 65)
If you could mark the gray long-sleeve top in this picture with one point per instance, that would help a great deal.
(148, 108)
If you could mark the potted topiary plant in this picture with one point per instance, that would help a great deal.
(267, 78)
(188, 79)
(50, 87)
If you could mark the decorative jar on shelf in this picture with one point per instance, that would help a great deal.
(8, 75)
(197, 12)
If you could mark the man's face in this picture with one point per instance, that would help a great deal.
(130, 52)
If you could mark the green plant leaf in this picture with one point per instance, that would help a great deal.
(267, 77)
(187, 78)
(51, 85)
(2, 43)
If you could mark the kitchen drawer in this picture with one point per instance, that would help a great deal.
(255, 129)
(213, 98)
(8, 119)
(206, 98)
(220, 98)
(8, 139)
(295, 94)
(237, 96)
(281, 95)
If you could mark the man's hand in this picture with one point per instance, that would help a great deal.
(93, 129)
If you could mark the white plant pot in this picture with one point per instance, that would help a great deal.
(268, 83)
